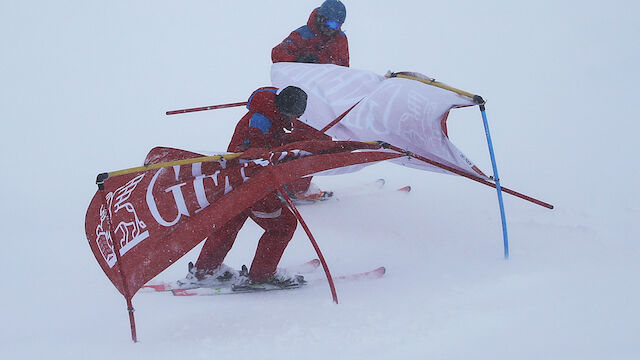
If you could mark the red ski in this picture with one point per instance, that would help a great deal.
(367, 275)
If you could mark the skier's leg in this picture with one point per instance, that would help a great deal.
(302, 188)
(218, 244)
(279, 225)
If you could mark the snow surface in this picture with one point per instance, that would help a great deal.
(85, 86)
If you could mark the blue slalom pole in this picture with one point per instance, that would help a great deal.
(496, 178)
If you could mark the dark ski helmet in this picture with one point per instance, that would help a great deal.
(291, 101)
(333, 10)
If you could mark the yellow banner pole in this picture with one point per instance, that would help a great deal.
(104, 176)
(478, 99)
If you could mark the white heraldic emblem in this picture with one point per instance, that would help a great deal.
(128, 232)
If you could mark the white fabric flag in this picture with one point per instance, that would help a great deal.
(406, 113)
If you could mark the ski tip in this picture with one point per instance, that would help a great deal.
(182, 292)
(381, 270)
(405, 189)
(155, 287)
(315, 261)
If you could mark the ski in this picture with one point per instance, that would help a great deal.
(330, 195)
(375, 188)
(367, 275)
(227, 290)
(160, 286)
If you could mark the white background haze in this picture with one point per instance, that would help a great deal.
(84, 88)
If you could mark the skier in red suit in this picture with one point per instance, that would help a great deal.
(320, 41)
(270, 113)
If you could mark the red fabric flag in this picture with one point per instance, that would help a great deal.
(157, 216)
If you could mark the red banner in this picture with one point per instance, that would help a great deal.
(159, 215)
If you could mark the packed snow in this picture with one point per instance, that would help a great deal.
(84, 89)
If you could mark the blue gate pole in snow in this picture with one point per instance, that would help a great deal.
(496, 178)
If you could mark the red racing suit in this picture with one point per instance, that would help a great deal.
(308, 39)
(268, 131)
(262, 127)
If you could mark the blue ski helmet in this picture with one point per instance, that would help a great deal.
(333, 10)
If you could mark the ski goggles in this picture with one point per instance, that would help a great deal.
(332, 24)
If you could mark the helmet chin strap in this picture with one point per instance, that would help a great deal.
(288, 122)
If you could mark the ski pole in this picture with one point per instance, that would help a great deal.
(204, 108)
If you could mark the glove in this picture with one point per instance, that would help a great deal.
(308, 58)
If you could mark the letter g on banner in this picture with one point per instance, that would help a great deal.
(178, 199)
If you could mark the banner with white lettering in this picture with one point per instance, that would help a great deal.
(154, 217)
(406, 113)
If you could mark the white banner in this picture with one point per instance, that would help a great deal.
(406, 113)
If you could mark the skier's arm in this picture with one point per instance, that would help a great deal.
(302, 131)
(287, 50)
(342, 51)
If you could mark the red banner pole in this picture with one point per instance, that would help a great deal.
(204, 108)
(116, 250)
(336, 120)
(313, 242)
(474, 178)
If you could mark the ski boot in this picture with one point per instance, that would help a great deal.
(222, 275)
(280, 280)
